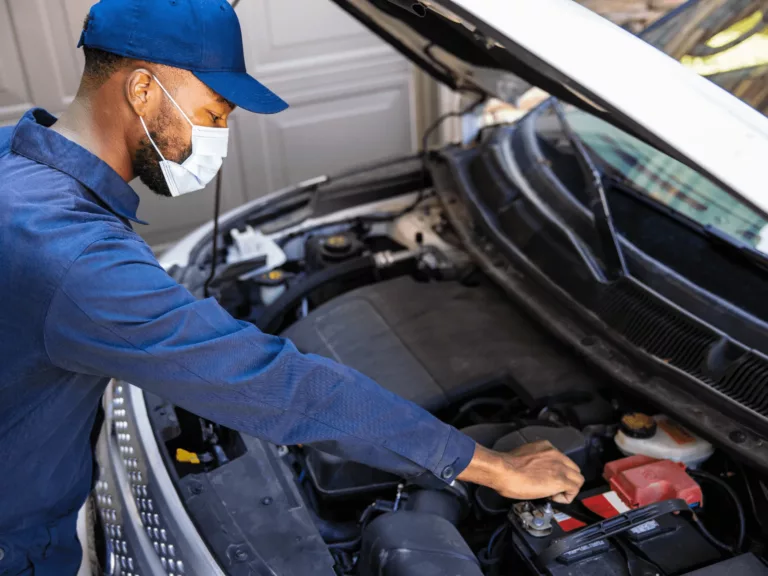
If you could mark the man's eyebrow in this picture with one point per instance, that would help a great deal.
(223, 100)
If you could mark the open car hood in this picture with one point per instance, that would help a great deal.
(581, 58)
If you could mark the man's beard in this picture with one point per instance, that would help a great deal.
(146, 164)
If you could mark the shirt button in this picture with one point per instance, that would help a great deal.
(2, 553)
(447, 472)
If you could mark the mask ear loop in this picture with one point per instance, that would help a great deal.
(172, 100)
(152, 141)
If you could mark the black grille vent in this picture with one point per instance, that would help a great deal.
(747, 383)
(651, 326)
(681, 342)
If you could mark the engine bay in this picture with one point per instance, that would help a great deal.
(388, 291)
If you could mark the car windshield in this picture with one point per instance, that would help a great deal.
(727, 42)
(662, 178)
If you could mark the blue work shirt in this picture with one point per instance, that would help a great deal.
(83, 300)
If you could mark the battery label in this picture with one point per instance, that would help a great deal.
(606, 505)
(586, 548)
(649, 526)
(567, 523)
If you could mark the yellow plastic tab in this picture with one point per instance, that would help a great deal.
(188, 457)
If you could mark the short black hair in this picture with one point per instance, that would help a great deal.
(101, 65)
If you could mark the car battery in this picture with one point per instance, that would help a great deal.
(671, 542)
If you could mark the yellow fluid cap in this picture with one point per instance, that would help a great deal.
(185, 456)
(638, 425)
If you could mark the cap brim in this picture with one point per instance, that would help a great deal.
(244, 91)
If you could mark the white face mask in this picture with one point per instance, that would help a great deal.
(209, 148)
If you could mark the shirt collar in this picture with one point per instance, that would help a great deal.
(33, 139)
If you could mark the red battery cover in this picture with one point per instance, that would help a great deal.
(641, 480)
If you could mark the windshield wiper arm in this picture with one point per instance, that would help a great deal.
(612, 256)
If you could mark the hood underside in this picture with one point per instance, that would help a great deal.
(498, 48)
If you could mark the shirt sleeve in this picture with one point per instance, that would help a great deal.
(118, 314)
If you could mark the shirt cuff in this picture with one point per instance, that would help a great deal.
(458, 453)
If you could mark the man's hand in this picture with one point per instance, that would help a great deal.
(532, 471)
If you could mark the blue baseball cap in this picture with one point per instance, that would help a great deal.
(202, 36)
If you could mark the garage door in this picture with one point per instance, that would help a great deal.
(352, 97)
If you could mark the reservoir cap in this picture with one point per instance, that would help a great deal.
(638, 425)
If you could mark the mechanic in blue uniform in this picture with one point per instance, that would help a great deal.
(82, 298)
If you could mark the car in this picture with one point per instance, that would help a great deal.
(590, 275)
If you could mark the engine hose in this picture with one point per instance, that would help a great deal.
(710, 538)
(479, 492)
(752, 501)
(335, 532)
(272, 317)
(438, 503)
(736, 503)
(486, 556)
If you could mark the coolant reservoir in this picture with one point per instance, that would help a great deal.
(660, 437)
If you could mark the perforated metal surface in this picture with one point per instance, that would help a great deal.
(111, 504)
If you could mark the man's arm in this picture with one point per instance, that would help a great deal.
(118, 314)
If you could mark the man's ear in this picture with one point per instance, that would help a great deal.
(141, 92)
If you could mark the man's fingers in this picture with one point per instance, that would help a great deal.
(534, 448)
(564, 460)
(538, 470)
(569, 482)
(564, 497)
(560, 498)
(546, 449)
(542, 445)
(574, 477)
(571, 464)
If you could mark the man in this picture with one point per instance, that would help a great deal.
(82, 298)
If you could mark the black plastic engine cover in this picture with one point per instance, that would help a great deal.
(435, 343)
(334, 477)
(415, 544)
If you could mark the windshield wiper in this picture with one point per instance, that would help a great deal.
(612, 256)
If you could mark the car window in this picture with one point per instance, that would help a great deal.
(667, 180)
